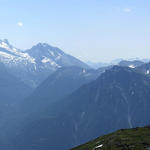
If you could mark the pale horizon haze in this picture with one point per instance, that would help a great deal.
(91, 30)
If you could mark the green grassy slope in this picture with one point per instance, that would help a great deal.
(124, 139)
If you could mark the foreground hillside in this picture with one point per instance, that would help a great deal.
(124, 139)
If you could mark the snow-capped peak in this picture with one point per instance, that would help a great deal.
(43, 44)
(5, 44)
(5, 41)
(10, 53)
(41, 60)
(46, 51)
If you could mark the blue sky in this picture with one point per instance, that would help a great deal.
(96, 30)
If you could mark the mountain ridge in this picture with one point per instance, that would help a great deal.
(118, 98)
(34, 65)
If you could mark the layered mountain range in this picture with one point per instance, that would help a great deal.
(51, 100)
(32, 66)
(118, 98)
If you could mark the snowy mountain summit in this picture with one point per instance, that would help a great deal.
(10, 54)
(33, 65)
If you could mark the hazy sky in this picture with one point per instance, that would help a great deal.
(96, 30)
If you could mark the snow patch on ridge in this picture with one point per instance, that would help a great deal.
(131, 66)
(48, 60)
(45, 60)
(99, 146)
(18, 54)
(147, 72)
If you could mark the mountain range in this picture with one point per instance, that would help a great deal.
(34, 65)
(118, 98)
(51, 100)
